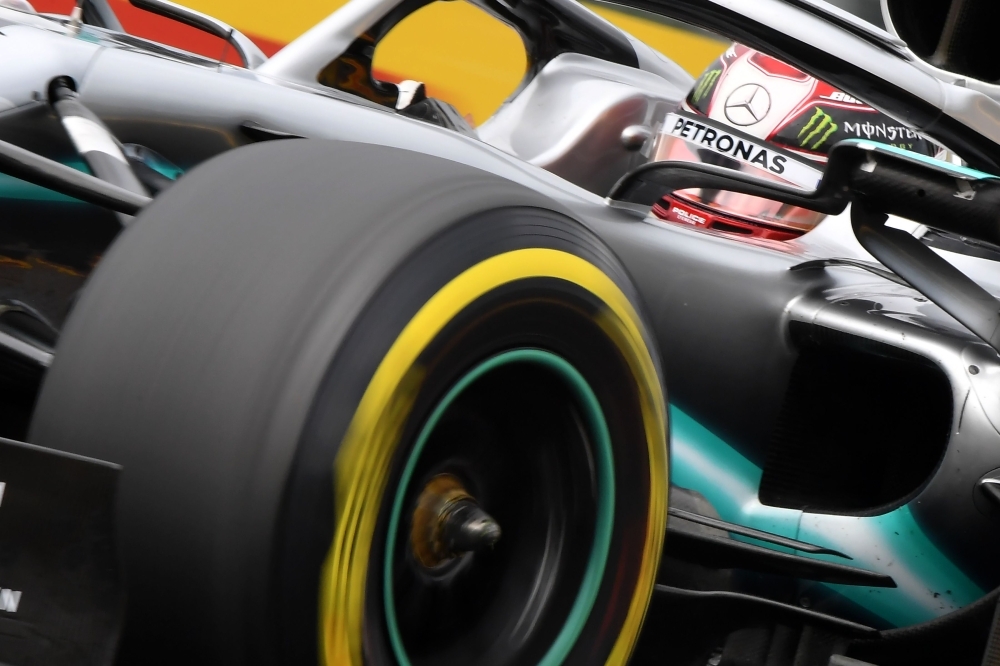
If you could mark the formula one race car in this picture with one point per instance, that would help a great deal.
(300, 367)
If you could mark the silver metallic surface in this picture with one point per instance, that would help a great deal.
(950, 78)
(302, 60)
(852, 22)
(33, 168)
(41, 56)
(982, 368)
(932, 276)
(19, 5)
(965, 98)
(94, 142)
(570, 119)
(903, 321)
(25, 350)
(249, 52)
(634, 137)
(36, 354)
(987, 494)
(76, 17)
(467, 528)
(654, 62)
(720, 308)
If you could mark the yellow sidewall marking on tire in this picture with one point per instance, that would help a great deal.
(362, 466)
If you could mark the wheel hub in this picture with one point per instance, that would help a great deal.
(523, 435)
(448, 523)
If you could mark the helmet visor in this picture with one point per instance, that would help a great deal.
(687, 137)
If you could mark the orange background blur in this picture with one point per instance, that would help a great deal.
(462, 54)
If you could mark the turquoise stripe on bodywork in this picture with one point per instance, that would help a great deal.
(14, 188)
(930, 585)
(940, 165)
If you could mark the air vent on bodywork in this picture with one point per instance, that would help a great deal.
(862, 427)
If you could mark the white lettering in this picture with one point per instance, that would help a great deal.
(716, 138)
(9, 600)
(890, 132)
(843, 97)
(686, 216)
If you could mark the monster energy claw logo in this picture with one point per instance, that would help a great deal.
(820, 127)
(705, 84)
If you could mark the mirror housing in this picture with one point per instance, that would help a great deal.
(956, 36)
(249, 52)
(878, 180)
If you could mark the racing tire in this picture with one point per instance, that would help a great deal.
(304, 354)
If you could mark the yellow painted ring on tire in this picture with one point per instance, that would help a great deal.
(363, 465)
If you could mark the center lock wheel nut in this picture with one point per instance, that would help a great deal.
(448, 523)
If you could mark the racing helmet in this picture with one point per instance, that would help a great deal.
(754, 113)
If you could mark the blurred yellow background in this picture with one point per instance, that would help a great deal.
(462, 54)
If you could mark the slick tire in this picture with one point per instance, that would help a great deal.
(372, 407)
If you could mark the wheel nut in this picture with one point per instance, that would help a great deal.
(467, 528)
(448, 522)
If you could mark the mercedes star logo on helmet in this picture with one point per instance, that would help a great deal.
(748, 104)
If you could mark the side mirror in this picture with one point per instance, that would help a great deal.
(878, 180)
(956, 36)
(251, 55)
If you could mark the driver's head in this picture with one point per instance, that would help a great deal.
(755, 113)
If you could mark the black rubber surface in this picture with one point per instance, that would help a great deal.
(198, 349)
(538, 313)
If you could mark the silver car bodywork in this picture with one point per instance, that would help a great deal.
(721, 307)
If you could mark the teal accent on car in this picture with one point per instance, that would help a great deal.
(15, 188)
(88, 36)
(909, 155)
(166, 169)
(929, 584)
(703, 462)
(603, 461)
